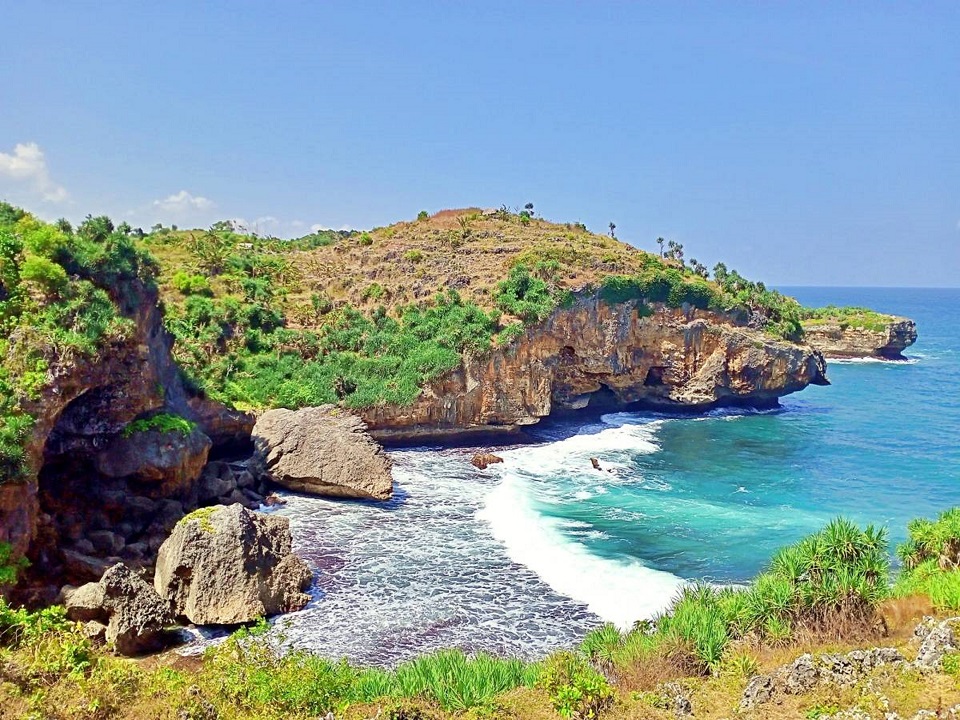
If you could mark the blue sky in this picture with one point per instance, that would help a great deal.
(802, 143)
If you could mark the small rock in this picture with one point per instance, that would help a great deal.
(677, 697)
(254, 497)
(106, 542)
(483, 460)
(83, 545)
(273, 499)
(595, 463)
(759, 690)
(138, 616)
(939, 641)
(85, 603)
(95, 631)
(80, 566)
(213, 486)
(245, 480)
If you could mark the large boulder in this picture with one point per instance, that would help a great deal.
(225, 565)
(322, 451)
(136, 617)
(171, 459)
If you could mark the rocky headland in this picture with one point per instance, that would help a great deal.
(595, 354)
(838, 338)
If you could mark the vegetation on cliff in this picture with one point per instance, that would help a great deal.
(931, 560)
(370, 318)
(829, 588)
(846, 317)
(64, 294)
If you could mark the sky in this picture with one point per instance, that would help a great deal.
(802, 143)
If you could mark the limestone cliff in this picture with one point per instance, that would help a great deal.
(69, 513)
(836, 339)
(594, 353)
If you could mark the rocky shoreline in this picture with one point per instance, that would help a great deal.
(99, 494)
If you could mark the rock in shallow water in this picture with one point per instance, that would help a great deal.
(321, 451)
(228, 565)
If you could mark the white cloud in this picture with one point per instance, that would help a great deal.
(28, 165)
(183, 203)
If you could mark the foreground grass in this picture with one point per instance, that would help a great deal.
(830, 592)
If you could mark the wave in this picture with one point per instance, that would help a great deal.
(871, 361)
(619, 590)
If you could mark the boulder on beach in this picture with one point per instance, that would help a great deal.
(321, 451)
(225, 565)
(135, 617)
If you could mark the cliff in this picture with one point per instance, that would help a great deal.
(837, 338)
(88, 492)
(596, 354)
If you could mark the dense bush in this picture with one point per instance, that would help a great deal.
(238, 350)
(675, 284)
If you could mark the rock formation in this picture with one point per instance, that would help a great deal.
(226, 565)
(595, 354)
(170, 460)
(321, 451)
(838, 340)
(125, 607)
(482, 461)
(90, 496)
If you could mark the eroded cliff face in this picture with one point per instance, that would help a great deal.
(594, 352)
(836, 340)
(75, 507)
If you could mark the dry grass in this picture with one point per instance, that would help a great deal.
(462, 249)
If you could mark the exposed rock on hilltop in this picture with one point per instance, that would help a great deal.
(836, 338)
(227, 565)
(321, 451)
(598, 354)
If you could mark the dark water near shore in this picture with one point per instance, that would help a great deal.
(529, 555)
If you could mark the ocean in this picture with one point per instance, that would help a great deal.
(527, 556)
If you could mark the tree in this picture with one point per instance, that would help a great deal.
(96, 229)
(613, 229)
(125, 228)
(674, 251)
(64, 226)
(660, 242)
(699, 268)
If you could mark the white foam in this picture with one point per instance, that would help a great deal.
(871, 361)
(620, 591)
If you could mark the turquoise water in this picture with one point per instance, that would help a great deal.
(528, 555)
(719, 494)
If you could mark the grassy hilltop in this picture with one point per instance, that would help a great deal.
(364, 318)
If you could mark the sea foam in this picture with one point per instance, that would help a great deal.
(619, 590)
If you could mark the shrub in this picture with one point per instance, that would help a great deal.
(50, 277)
(187, 284)
(162, 422)
(576, 690)
(413, 256)
(422, 215)
(931, 560)
(524, 295)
